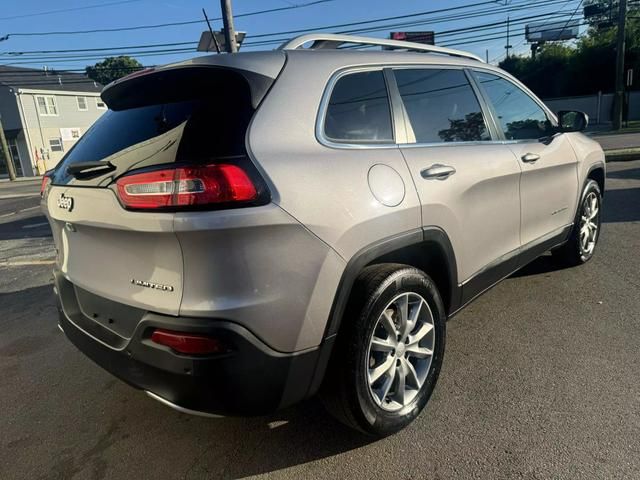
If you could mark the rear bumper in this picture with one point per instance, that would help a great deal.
(251, 379)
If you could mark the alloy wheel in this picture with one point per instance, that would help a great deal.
(589, 223)
(400, 351)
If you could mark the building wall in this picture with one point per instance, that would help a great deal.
(42, 129)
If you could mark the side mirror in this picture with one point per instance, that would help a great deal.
(572, 121)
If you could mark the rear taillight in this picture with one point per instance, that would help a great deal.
(46, 180)
(186, 186)
(187, 343)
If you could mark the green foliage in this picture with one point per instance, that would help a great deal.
(112, 68)
(584, 69)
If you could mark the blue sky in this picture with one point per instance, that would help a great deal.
(130, 13)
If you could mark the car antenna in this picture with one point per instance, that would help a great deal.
(215, 40)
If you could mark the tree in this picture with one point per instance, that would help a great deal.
(112, 68)
(604, 13)
(582, 69)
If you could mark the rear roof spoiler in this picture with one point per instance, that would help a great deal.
(258, 69)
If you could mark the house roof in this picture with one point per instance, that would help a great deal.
(54, 80)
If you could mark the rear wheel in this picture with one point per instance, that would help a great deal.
(586, 230)
(389, 350)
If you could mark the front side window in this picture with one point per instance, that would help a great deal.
(46, 105)
(520, 117)
(441, 105)
(358, 110)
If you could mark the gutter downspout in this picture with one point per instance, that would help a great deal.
(23, 119)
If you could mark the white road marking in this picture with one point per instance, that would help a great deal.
(30, 208)
(7, 214)
(24, 263)
(18, 195)
(36, 225)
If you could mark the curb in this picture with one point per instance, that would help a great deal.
(622, 155)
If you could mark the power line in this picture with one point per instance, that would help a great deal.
(161, 25)
(31, 57)
(63, 10)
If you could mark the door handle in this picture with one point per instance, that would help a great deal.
(530, 158)
(438, 171)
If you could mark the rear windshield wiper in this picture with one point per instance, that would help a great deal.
(82, 170)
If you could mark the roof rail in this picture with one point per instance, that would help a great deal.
(322, 41)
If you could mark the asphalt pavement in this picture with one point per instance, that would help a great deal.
(540, 380)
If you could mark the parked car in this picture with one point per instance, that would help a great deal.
(240, 232)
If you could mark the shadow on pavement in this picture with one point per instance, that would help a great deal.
(32, 227)
(540, 265)
(631, 174)
(296, 436)
(622, 205)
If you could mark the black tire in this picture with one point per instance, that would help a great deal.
(346, 393)
(573, 253)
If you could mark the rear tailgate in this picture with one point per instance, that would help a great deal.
(128, 257)
(195, 113)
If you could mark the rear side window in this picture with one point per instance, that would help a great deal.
(520, 117)
(441, 105)
(358, 110)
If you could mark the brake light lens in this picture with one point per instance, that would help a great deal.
(187, 343)
(186, 186)
(46, 179)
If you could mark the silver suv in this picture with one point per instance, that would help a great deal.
(240, 232)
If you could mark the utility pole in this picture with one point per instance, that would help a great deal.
(619, 94)
(508, 45)
(7, 156)
(229, 31)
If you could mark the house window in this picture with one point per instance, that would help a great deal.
(55, 145)
(100, 104)
(82, 103)
(46, 105)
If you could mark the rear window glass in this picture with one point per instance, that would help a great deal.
(441, 105)
(358, 110)
(198, 130)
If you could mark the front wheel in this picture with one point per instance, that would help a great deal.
(389, 351)
(586, 230)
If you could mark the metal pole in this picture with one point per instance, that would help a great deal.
(508, 46)
(7, 156)
(229, 32)
(619, 93)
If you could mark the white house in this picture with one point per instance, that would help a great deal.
(44, 112)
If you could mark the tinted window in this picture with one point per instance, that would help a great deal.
(191, 131)
(441, 105)
(358, 111)
(519, 115)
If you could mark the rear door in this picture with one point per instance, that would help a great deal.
(549, 184)
(467, 182)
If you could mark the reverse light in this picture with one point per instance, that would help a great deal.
(186, 186)
(187, 343)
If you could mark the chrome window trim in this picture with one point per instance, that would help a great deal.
(322, 110)
(324, 103)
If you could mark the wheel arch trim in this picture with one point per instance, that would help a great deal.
(369, 254)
